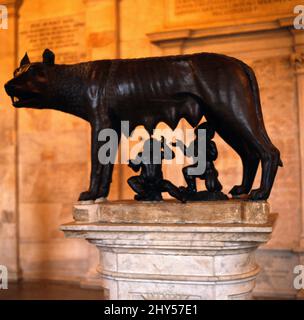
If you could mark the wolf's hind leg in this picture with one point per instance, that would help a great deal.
(250, 163)
(270, 157)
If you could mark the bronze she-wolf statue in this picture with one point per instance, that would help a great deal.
(149, 90)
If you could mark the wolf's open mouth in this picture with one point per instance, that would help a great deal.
(24, 100)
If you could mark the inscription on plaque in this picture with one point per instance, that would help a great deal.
(225, 12)
(215, 7)
(65, 35)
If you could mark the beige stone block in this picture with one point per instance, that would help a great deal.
(84, 212)
(231, 211)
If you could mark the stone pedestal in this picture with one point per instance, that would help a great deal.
(170, 250)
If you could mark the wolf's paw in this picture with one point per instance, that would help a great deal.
(88, 196)
(258, 194)
(238, 190)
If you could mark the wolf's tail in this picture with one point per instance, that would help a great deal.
(257, 102)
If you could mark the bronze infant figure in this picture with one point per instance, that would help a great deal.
(210, 175)
(147, 91)
(150, 184)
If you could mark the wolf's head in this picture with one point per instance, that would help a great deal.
(30, 85)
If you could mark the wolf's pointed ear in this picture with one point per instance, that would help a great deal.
(48, 57)
(25, 60)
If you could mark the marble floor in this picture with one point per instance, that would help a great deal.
(48, 290)
(54, 290)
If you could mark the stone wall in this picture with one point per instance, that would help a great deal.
(8, 151)
(45, 154)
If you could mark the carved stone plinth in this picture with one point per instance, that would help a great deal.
(177, 251)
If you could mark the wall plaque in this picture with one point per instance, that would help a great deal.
(225, 12)
(65, 35)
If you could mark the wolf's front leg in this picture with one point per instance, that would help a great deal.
(101, 174)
